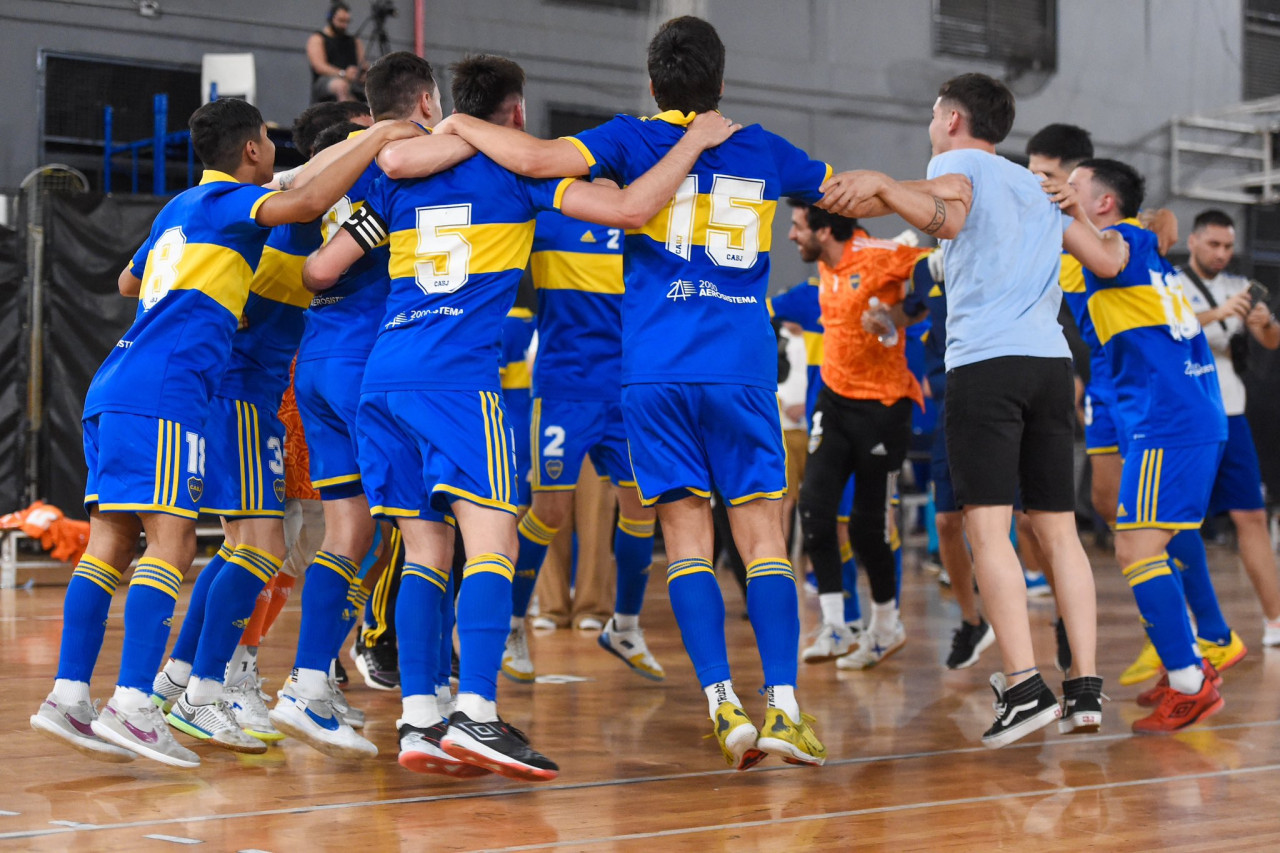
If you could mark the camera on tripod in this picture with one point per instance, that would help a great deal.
(380, 10)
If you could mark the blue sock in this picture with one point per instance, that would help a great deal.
(357, 600)
(849, 580)
(448, 618)
(84, 617)
(148, 613)
(418, 627)
(232, 598)
(1186, 550)
(775, 617)
(184, 649)
(633, 550)
(323, 595)
(371, 556)
(483, 623)
(534, 539)
(699, 608)
(1164, 615)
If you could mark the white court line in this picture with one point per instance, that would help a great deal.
(176, 839)
(608, 783)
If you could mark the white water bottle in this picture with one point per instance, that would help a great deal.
(881, 315)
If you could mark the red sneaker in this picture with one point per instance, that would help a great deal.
(1152, 696)
(1178, 710)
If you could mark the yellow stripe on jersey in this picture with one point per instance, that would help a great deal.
(492, 247)
(591, 273)
(659, 226)
(1071, 274)
(582, 149)
(558, 198)
(220, 273)
(1120, 309)
(813, 348)
(279, 278)
(517, 375)
(520, 313)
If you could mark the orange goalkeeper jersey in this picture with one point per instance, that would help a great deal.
(297, 476)
(854, 363)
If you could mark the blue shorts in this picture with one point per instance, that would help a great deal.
(1239, 481)
(245, 460)
(518, 406)
(944, 491)
(1166, 487)
(565, 431)
(328, 392)
(422, 450)
(138, 463)
(1101, 432)
(688, 439)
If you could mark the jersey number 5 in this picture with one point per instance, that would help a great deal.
(732, 230)
(444, 255)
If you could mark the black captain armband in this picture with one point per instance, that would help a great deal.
(367, 227)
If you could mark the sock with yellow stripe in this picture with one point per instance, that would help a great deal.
(231, 601)
(699, 609)
(535, 537)
(849, 580)
(1186, 551)
(483, 623)
(633, 550)
(774, 610)
(1164, 615)
(84, 624)
(418, 627)
(148, 613)
(184, 648)
(323, 595)
(353, 610)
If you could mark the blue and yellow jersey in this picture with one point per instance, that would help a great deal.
(696, 273)
(1165, 383)
(513, 368)
(577, 270)
(927, 293)
(460, 242)
(272, 323)
(343, 321)
(195, 267)
(799, 305)
(1071, 277)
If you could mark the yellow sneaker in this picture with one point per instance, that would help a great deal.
(737, 736)
(1147, 665)
(794, 743)
(1224, 656)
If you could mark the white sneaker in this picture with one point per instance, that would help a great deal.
(215, 723)
(316, 723)
(874, 649)
(829, 642)
(590, 623)
(244, 698)
(145, 733)
(631, 648)
(353, 717)
(516, 663)
(72, 725)
(544, 623)
(1270, 633)
(165, 691)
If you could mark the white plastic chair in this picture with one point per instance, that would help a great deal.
(235, 75)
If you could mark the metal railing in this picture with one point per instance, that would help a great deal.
(1228, 156)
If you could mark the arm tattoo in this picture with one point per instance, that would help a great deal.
(939, 216)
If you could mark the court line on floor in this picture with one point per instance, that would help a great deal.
(607, 783)
(879, 810)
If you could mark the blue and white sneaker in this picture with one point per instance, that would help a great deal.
(1037, 584)
(316, 723)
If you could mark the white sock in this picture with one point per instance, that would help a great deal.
(129, 699)
(310, 683)
(179, 671)
(625, 622)
(203, 691)
(420, 711)
(69, 692)
(1187, 680)
(721, 691)
(884, 619)
(478, 708)
(517, 622)
(832, 604)
(444, 701)
(783, 697)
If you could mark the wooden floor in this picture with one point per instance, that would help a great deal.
(906, 771)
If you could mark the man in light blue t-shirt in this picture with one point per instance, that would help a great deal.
(1010, 397)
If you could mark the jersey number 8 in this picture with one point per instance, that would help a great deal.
(444, 255)
(161, 273)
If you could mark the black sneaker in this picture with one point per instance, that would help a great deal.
(339, 673)
(454, 663)
(497, 746)
(379, 664)
(969, 641)
(1081, 705)
(1020, 710)
(1063, 660)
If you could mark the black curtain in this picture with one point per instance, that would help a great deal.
(1262, 406)
(89, 239)
(13, 307)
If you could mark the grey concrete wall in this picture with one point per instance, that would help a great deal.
(852, 81)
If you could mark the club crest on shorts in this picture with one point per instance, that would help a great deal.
(278, 486)
(195, 488)
(554, 467)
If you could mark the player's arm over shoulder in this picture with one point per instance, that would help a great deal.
(518, 151)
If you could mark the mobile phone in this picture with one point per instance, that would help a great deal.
(1258, 293)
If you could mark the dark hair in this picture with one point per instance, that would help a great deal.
(1212, 216)
(987, 101)
(333, 134)
(686, 65)
(317, 117)
(842, 227)
(395, 82)
(1068, 143)
(334, 8)
(1122, 180)
(220, 129)
(482, 83)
